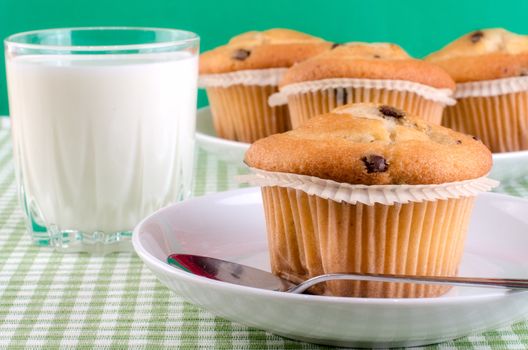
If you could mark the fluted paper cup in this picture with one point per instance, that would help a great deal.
(306, 100)
(317, 226)
(239, 104)
(496, 111)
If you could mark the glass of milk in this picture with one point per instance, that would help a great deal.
(103, 126)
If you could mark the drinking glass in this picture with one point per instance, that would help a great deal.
(103, 126)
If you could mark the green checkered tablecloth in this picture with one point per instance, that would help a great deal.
(52, 300)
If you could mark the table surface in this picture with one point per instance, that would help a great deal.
(50, 300)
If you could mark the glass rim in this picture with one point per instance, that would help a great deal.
(193, 37)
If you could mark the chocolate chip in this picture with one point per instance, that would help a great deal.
(458, 142)
(392, 112)
(334, 45)
(476, 36)
(377, 56)
(476, 138)
(524, 72)
(375, 164)
(240, 54)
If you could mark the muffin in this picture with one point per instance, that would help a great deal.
(362, 72)
(368, 188)
(240, 76)
(490, 68)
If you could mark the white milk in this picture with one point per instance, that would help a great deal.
(102, 141)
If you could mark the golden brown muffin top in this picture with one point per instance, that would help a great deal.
(273, 48)
(484, 55)
(368, 61)
(372, 144)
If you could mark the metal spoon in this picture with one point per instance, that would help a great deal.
(243, 275)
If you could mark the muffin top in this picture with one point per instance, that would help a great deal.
(484, 55)
(273, 48)
(368, 61)
(372, 144)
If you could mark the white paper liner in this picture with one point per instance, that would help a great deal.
(365, 194)
(499, 121)
(494, 87)
(443, 96)
(260, 77)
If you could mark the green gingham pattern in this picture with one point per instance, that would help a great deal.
(53, 300)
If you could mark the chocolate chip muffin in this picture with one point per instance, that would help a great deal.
(363, 72)
(490, 68)
(240, 76)
(368, 188)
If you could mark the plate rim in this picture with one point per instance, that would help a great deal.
(203, 137)
(509, 155)
(148, 258)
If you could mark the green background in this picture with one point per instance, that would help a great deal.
(420, 26)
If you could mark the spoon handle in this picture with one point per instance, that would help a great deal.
(437, 280)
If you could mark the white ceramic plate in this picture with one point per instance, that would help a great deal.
(509, 165)
(506, 165)
(230, 225)
(230, 151)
